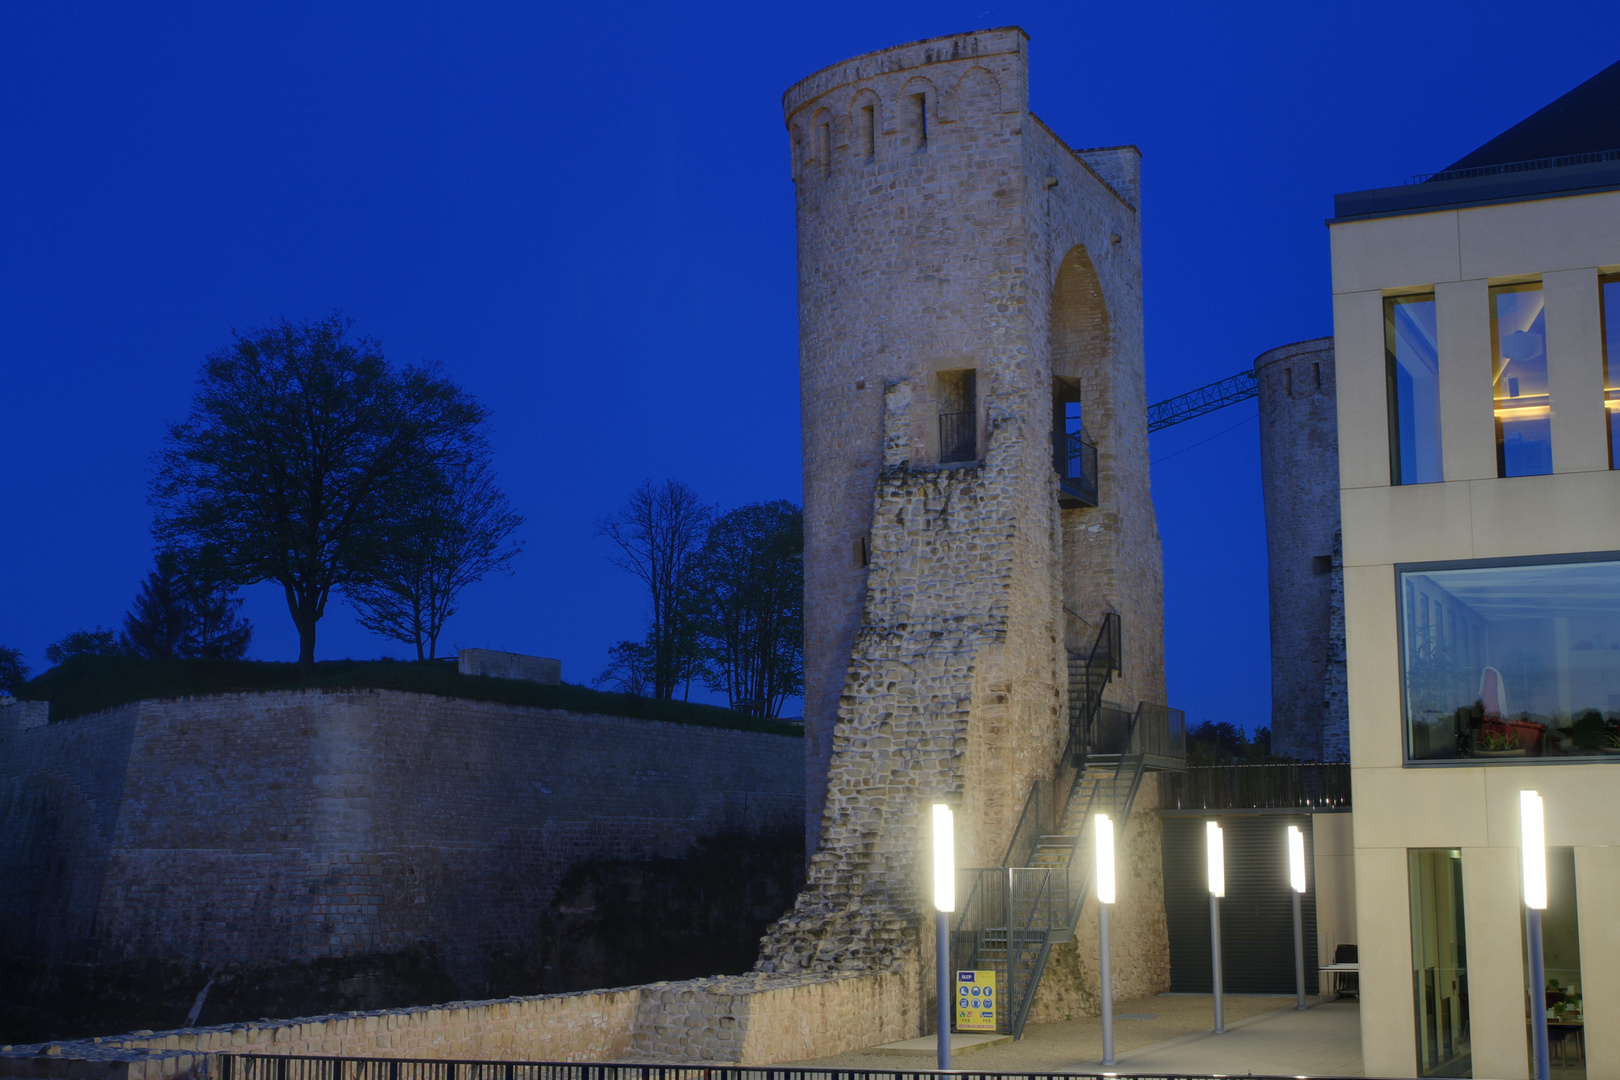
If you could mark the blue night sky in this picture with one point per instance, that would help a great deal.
(584, 213)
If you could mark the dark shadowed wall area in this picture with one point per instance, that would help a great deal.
(288, 827)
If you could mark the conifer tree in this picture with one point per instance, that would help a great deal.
(176, 615)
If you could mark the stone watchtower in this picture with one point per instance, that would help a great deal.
(975, 478)
(1299, 466)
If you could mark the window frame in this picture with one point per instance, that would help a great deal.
(1405, 720)
(1387, 304)
(1609, 363)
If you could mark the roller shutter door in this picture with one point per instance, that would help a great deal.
(1257, 915)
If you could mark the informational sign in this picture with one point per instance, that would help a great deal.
(975, 1001)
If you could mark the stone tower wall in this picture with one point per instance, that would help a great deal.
(1299, 464)
(943, 228)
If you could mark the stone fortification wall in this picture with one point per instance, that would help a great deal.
(955, 258)
(940, 704)
(1299, 463)
(747, 1020)
(273, 827)
(1139, 932)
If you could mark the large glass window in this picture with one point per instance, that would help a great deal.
(1512, 660)
(1609, 301)
(1439, 962)
(1561, 998)
(1519, 371)
(1412, 363)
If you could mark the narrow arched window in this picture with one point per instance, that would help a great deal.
(866, 131)
(919, 120)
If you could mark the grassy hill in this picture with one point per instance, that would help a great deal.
(87, 684)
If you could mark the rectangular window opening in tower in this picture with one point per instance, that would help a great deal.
(866, 131)
(958, 416)
(1074, 455)
(919, 105)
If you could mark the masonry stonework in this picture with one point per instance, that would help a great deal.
(746, 1020)
(960, 270)
(276, 827)
(1299, 461)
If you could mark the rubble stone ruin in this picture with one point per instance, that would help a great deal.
(983, 574)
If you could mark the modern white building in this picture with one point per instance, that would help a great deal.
(1477, 335)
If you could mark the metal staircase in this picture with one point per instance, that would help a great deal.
(1016, 912)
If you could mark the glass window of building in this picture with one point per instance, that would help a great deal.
(1561, 953)
(1439, 962)
(1519, 373)
(1609, 303)
(1512, 659)
(1412, 361)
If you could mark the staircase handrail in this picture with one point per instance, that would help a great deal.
(1026, 938)
(1104, 660)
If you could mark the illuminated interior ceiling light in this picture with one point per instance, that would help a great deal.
(1533, 847)
(944, 859)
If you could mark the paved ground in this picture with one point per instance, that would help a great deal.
(1325, 1040)
(1171, 1034)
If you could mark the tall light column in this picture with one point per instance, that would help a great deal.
(944, 904)
(1105, 903)
(1215, 853)
(1296, 878)
(1533, 848)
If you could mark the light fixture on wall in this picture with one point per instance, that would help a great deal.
(1104, 830)
(944, 904)
(1215, 856)
(1533, 851)
(1296, 879)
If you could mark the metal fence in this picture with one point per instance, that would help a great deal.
(1594, 157)
(958, 439)
(282, 1067)
(1280, 786)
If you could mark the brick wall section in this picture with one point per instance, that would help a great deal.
(748, 1020)
(942, 227)
(1299, 463)
(272, 827)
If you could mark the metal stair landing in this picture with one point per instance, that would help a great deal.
(1016, 912)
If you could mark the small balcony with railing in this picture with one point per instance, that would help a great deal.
(1074, 455)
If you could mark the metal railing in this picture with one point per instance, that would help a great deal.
(1075, 458)
(958, 437)
(1160, 731)
(1534, 165)
(1279, 786)
(287, 1067)
(1086, 685)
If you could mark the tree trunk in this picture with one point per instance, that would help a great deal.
(305, 613)
(306, 646)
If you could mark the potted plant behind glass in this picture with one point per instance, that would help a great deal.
(1496, 740)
